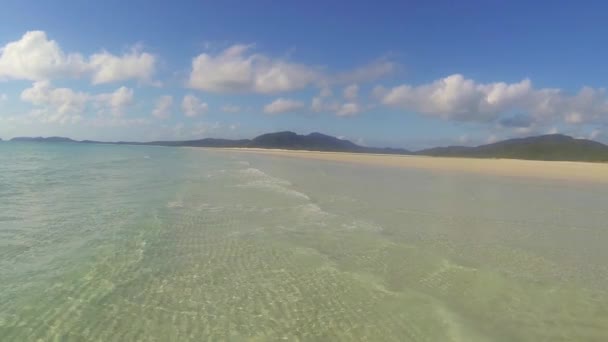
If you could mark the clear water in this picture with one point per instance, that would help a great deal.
(125, 243)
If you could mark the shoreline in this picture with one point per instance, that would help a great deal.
(550, 170)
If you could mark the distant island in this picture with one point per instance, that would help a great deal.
(555, 147)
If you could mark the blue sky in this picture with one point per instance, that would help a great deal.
(407, 74)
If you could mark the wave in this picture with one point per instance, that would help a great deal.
(258, 179)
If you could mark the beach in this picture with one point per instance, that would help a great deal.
(551, 170)
(119, 242)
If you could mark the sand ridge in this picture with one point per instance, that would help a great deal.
(553, 170)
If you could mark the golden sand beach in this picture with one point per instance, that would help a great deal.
(553, 170)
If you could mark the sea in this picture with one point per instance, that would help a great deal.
(143, 243)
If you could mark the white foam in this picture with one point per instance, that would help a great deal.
(175, 204)
(260, 180)
(311, 210)
(363, 226)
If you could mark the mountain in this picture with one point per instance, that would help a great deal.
(544, 147)
(41, 139)
(312, 141)
(279, 140)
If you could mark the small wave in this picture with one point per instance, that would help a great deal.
(254, 172)
(261, 180)
(210, 208)
(175, 204)
(275, 187)
(312, 211)
(363, 226)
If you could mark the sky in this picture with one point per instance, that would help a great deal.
(410, 74)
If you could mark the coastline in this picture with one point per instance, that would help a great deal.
(550, 170)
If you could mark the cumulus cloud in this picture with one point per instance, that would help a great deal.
(351, 92)
(236, 70)
(351, 107)
(282, 105)
(325, 91)
(163, 107)
(116, 101)
(66, 105)
(348, 109)
(62, 100)
(367, 73)
(3, 97)
(35, 57)
(320, 105)
(231, 109)
(201, 129)
(317, 104)
(192, 106)
(596, 133)
(457, 98)
(135, 64)
(239, 70)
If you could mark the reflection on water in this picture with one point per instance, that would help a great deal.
(137, 243)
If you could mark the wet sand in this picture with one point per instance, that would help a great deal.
(553, 170)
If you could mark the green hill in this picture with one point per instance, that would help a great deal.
(544, 147)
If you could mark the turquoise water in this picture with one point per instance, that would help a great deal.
(125, 243)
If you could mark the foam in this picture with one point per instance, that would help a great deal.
(175, 204)
(363, 225)
(256, 178)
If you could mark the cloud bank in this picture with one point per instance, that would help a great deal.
(510, 104)
(282, 105)
(35, 57)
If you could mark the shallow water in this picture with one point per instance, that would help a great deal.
(159, 244)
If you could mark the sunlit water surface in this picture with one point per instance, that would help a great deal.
(125, 243)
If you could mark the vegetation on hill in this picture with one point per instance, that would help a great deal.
(544, 147)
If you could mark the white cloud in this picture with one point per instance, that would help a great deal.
(117, 122)
(574, 118)
(325, 91)
(3, 97)
(117, 101)
(64, 105)
(348, 109)
(35, 57)
(231, 109)
(107, 68)
(62, 100)
(163, 107)
(464, 139)
(351, 92)
(367, 73)
(320, 105)
(202, 129)
(237, 70)
(192, 106)
(317, 104)
(596, 133)
(282, 105)
(457, 98)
